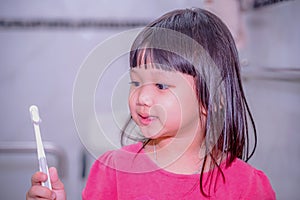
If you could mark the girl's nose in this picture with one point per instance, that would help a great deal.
(145, 95)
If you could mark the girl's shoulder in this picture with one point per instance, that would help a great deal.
(247, 181)
(125, 151)
(101, 183)
(239, 169)
(129, 158)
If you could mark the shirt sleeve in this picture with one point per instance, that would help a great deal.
(101, 183)
(259, 187)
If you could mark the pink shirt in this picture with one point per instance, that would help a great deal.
(126, 174)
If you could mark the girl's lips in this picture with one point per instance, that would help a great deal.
(145, 120)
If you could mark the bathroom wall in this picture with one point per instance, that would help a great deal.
(272, 80)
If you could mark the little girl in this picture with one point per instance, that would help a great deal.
(187, 100)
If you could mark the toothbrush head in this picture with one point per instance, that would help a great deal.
(34, 112)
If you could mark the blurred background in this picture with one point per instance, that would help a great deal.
(44, 43)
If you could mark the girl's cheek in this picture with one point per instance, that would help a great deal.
(131, 104)
(131, 98)
(132, 113)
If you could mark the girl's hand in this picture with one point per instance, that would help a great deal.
(37, 191)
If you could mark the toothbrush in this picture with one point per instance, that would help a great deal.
(43, 167)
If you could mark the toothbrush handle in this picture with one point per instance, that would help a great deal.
(44, 168)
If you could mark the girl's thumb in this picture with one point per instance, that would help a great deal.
(55, 181)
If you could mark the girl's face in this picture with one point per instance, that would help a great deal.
(163, 103)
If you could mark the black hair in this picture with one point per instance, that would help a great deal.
(196, 42)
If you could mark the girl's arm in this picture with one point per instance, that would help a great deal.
(38, 191)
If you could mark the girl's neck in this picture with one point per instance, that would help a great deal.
(177, 155)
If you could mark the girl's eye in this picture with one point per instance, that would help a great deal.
(161, 86)
(135, 83)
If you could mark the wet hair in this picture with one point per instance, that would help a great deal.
(197, 43)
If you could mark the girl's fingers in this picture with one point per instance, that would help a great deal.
(55, 181)
(37, 178)
(40, 192)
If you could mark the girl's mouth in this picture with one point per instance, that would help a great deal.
(145, 120)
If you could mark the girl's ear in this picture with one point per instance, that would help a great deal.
(203, 116)
(203, 111)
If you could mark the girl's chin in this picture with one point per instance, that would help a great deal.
(150, 134)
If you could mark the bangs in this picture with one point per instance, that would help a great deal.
(160, 59)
